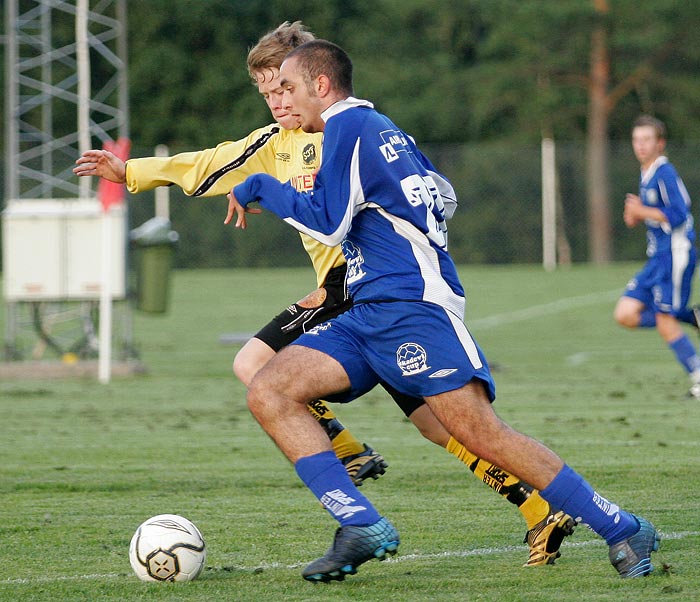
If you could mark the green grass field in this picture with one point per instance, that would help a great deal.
(82, 464)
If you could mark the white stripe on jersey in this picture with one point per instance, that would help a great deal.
(680, 250)
(466, 339)
(665, 226)
(436, 289)
(357, 198)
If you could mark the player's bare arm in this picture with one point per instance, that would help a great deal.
(101, 163)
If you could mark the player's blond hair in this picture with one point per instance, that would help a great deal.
(274, 46)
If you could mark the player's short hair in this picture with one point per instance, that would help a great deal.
(321, 57)
(270, 50)
(647, 120)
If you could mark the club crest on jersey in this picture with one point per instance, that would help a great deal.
(309, 154)
(412, 359)
(651, 197)
(394, 143)
(355, 261)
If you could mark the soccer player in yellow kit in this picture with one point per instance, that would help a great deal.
(283, 150)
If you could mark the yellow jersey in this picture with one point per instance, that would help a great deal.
(288, 155)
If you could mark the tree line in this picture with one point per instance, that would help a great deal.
(479, 81)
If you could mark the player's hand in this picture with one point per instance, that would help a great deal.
(101, 163)
(235, 207)
(631, 214)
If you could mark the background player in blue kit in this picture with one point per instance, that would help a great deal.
(379, 197)
(658, 295)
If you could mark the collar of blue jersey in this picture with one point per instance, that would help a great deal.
(646, 175)
(342, 105)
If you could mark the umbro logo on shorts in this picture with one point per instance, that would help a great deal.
(443, 373)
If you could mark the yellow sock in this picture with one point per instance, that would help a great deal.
(534, 509)
(320, 410)
(344, 442)
(528, 501)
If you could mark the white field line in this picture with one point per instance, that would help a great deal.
(545, 309)
(399, 558)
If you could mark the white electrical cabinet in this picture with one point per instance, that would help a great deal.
(52, 249)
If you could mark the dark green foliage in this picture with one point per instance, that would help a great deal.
(479, 80)
(455, 71)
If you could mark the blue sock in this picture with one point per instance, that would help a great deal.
(570, 492)
(328, 480)
(685, 353)
(647, 319)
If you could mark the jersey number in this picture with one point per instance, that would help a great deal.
(421, 190)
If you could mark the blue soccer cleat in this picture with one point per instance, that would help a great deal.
(632, 556)
(352, 547)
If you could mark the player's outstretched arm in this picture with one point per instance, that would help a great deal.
(235, 207)
(101, 163)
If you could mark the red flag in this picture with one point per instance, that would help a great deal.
(111, 193)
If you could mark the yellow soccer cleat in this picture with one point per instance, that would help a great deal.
(365, 465)
(546, 536)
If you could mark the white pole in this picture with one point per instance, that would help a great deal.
(82, 53)
(162, 192)
(549, 226)
(104, 371)
(105, 334)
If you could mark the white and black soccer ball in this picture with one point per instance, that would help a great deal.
(167, 547)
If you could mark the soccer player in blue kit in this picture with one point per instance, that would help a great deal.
(658, 295)
(375, 196)
(282, 149)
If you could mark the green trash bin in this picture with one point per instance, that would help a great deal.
(154, 244)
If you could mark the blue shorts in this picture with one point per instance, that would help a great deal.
(664, 284)
(418, 348)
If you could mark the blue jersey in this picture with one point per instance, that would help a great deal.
(383, 201)
(661, 187)
(379, 197)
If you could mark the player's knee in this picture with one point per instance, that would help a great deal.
(238, 368)
(244, 368)
(256, 399)
(436, 435)
(624, 317)
(268, 401)
(484, 435)
(429, 426)
(252, 399)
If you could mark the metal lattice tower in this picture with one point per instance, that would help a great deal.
(43, 91)
(65, 92)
